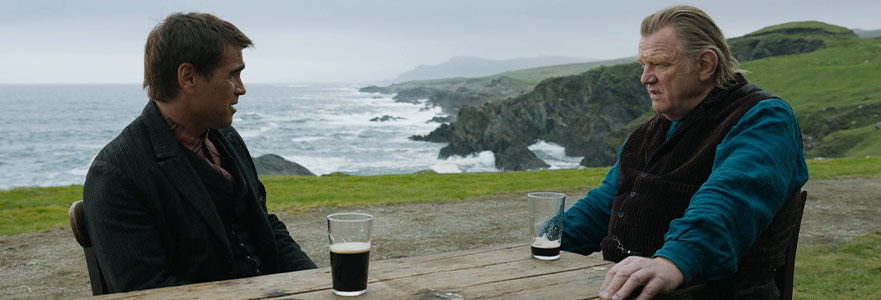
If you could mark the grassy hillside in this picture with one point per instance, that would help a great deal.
(868, 33)
(536, 75)
(529, 76)
(452, 93)
(835, 92)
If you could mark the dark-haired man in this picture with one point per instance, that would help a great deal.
(696, 185)
(175, 198)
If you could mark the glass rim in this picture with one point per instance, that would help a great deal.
(366, 217)
(546, 195)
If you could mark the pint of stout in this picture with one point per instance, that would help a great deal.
(348, 264)
(544, 249)
(546, 219)
(349, 235)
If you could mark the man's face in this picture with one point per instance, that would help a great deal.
(675, 88)
(213, 103)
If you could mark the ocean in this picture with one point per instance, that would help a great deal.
(51, 133)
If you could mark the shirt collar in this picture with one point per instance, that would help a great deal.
(192, 142)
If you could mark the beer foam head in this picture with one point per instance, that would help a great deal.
(350, 247)
(543, 242)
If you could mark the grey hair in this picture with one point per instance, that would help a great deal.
(696, 32)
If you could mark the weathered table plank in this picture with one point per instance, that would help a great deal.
(506, 272)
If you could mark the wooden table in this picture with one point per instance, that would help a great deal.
(507, 272)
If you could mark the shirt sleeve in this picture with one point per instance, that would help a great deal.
(757, 166)
(586, 222)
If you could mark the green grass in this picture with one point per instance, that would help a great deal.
(841, 168)
(835, 93)
(849, 74)
(849, 271)
(36, 209)
(802, 24)
(289, 192)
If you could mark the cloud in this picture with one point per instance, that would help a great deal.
(358, 41)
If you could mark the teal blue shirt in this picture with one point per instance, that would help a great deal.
(757, 166)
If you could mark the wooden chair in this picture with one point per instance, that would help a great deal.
(81, 233)
(783, 276)
(791, 213)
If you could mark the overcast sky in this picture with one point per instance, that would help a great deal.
(101, 41)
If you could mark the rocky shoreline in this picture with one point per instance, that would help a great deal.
(577, 112)
(589, 114)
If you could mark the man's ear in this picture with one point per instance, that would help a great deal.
(707, 64)
(186, 76)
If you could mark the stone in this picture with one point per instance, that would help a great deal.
(271, 164)
(519, 158)
(386, 118)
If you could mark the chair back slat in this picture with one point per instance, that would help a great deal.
(81, 233)
(784, 276)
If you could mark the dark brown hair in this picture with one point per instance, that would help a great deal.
(696, 32)
(195, 38)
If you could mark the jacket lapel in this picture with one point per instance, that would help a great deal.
(256, 206)
(179, 171)
(243, 174)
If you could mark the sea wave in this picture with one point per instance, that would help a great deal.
(326, 128)
(554, 155)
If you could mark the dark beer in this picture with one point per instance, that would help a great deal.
(544, 249)
(348, 264)
(546, 252)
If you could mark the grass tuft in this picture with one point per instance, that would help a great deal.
(849, 271)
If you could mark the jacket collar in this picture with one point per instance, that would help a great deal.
(177, 168)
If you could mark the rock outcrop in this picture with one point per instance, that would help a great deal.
(576, 112)
(386, 118)
(451, 95)
(271, 164)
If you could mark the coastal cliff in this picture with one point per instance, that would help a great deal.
(591, 113)
(576, 112)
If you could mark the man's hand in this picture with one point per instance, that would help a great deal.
(658, 275)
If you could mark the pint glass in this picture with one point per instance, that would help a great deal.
(349, 235)
(546, 229)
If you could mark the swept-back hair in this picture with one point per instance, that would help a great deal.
(696, 32)
(195, 38)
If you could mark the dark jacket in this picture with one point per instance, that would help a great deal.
(152, 221)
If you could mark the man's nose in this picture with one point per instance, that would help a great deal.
(647, 77)
(240, 88)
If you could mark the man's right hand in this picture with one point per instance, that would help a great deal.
(658, 275)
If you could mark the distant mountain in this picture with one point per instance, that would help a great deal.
(467, 66)
(867, 34)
